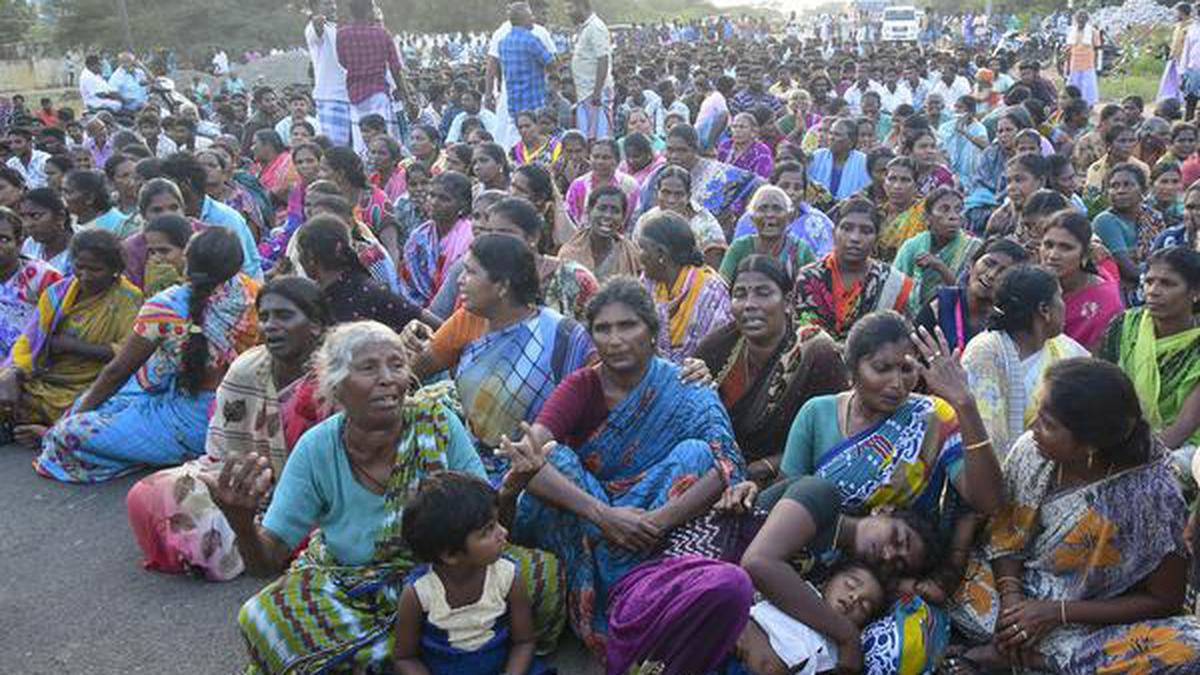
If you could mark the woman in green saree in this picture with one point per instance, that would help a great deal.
(1158, 347)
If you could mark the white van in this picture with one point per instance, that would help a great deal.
(901, 23)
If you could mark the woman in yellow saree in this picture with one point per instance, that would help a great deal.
(79, 322)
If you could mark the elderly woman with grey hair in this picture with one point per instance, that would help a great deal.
(771, 211)
(348, 479)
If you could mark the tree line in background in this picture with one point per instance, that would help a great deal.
(194, 27)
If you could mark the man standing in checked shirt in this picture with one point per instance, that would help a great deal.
(523, 61)
(366, 51)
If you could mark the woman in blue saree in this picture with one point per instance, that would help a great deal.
(882, 445)
(504, 350)
(620, 455)
(150, 404)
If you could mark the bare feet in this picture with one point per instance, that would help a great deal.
(29, 435)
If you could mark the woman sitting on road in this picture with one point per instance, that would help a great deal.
(79, 322)
(265, 402)
(1074, 577)
(1006, 363)
(692, 298)
(836, 292)
(349, 477)
(766, 366)
(149, 405)
(624, 451)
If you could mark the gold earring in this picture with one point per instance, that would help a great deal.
(1091, 459)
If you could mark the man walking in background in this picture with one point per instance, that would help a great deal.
(523, 61)
(591, 65)
(366, 50)
(329, 78)
(505, 129)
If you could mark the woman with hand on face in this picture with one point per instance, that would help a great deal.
(601, 245)
(771, 208)
(159, 197)
(691, 297)
(621, 453)
(963, 311)
(836, 292)
(266, 401)
(22, 280)
(766, 366)
(930, 443)
(534, 183)
(67, 342)
(939, 256)
(1091, 300)
(1079, 578)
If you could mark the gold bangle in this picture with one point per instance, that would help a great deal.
(987, 442)
(1063, 611)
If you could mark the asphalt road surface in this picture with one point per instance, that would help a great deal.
(75, 599)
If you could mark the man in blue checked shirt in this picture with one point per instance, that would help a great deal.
(523, 61)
